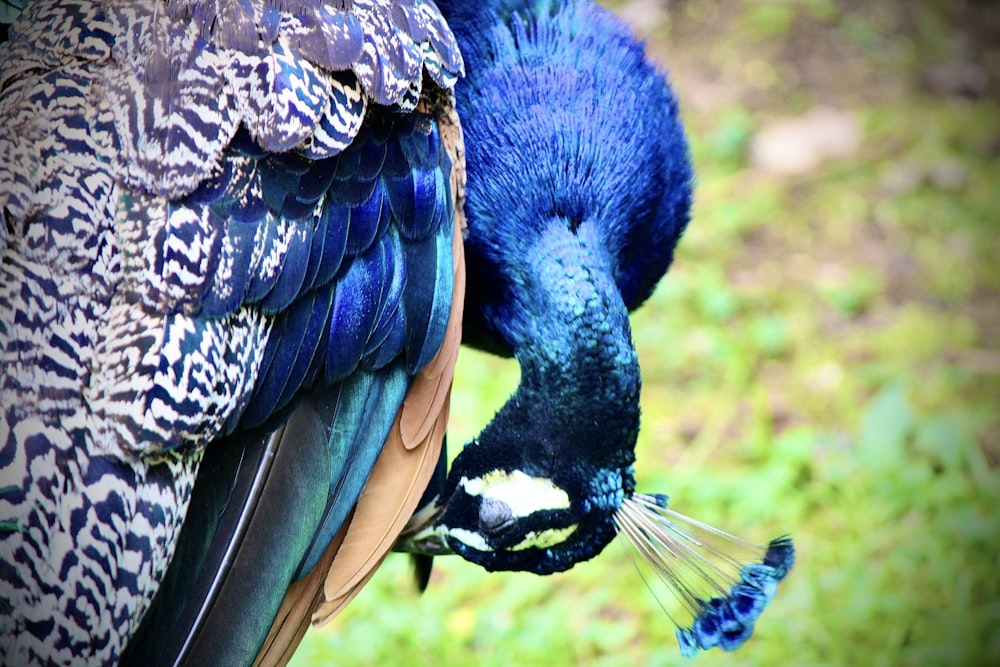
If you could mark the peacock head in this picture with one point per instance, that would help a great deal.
(579, 187)
(528, 494)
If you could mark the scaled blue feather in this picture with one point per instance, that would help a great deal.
(243, 144)
(381, 131)
(296, 208)
(245, 201)
(355, 307)
(317, 243)
(395, 164)
(348, 161)
(289, 167)
(427, 300)
(392, 341)
(286, 169)
(382, 346)
(293, 335)
(224, 298)
(371, 157)
(351, 191)
(214, 188)
(400, 190)
(334, 225)
(279, 272)
(278, 387)
(273, 192)
(368, 220)
(429, 203)
(316, 181)
(421, 142)
(257, 412)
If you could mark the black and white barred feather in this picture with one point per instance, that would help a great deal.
(114, 376)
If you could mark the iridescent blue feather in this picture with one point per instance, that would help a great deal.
(333, 225)
(360, 406)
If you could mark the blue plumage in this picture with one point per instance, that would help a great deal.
(368, 220)
(288, 284)
(307, 227)
(584, 69)
(314, 313)
(333, 226)
(428, 300)
(229, 292)
(361, 297)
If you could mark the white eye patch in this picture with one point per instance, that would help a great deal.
(523, 494)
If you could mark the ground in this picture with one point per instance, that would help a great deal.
(823, 358)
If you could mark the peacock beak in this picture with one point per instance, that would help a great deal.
(424, 533)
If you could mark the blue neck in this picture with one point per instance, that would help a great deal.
(569, 330)
(578, 189)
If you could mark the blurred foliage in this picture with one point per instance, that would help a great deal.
(823, 359)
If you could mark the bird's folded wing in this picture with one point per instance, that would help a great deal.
(391, 494)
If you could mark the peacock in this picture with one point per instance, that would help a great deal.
(242, 242)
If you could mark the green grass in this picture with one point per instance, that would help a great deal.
(823, 359)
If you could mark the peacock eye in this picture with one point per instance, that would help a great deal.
(494, 516)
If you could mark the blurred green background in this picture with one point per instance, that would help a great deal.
(823, 358)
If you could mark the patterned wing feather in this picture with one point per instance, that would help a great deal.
(184, 187)
(350, 321)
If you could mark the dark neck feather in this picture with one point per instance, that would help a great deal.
(569, 330)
